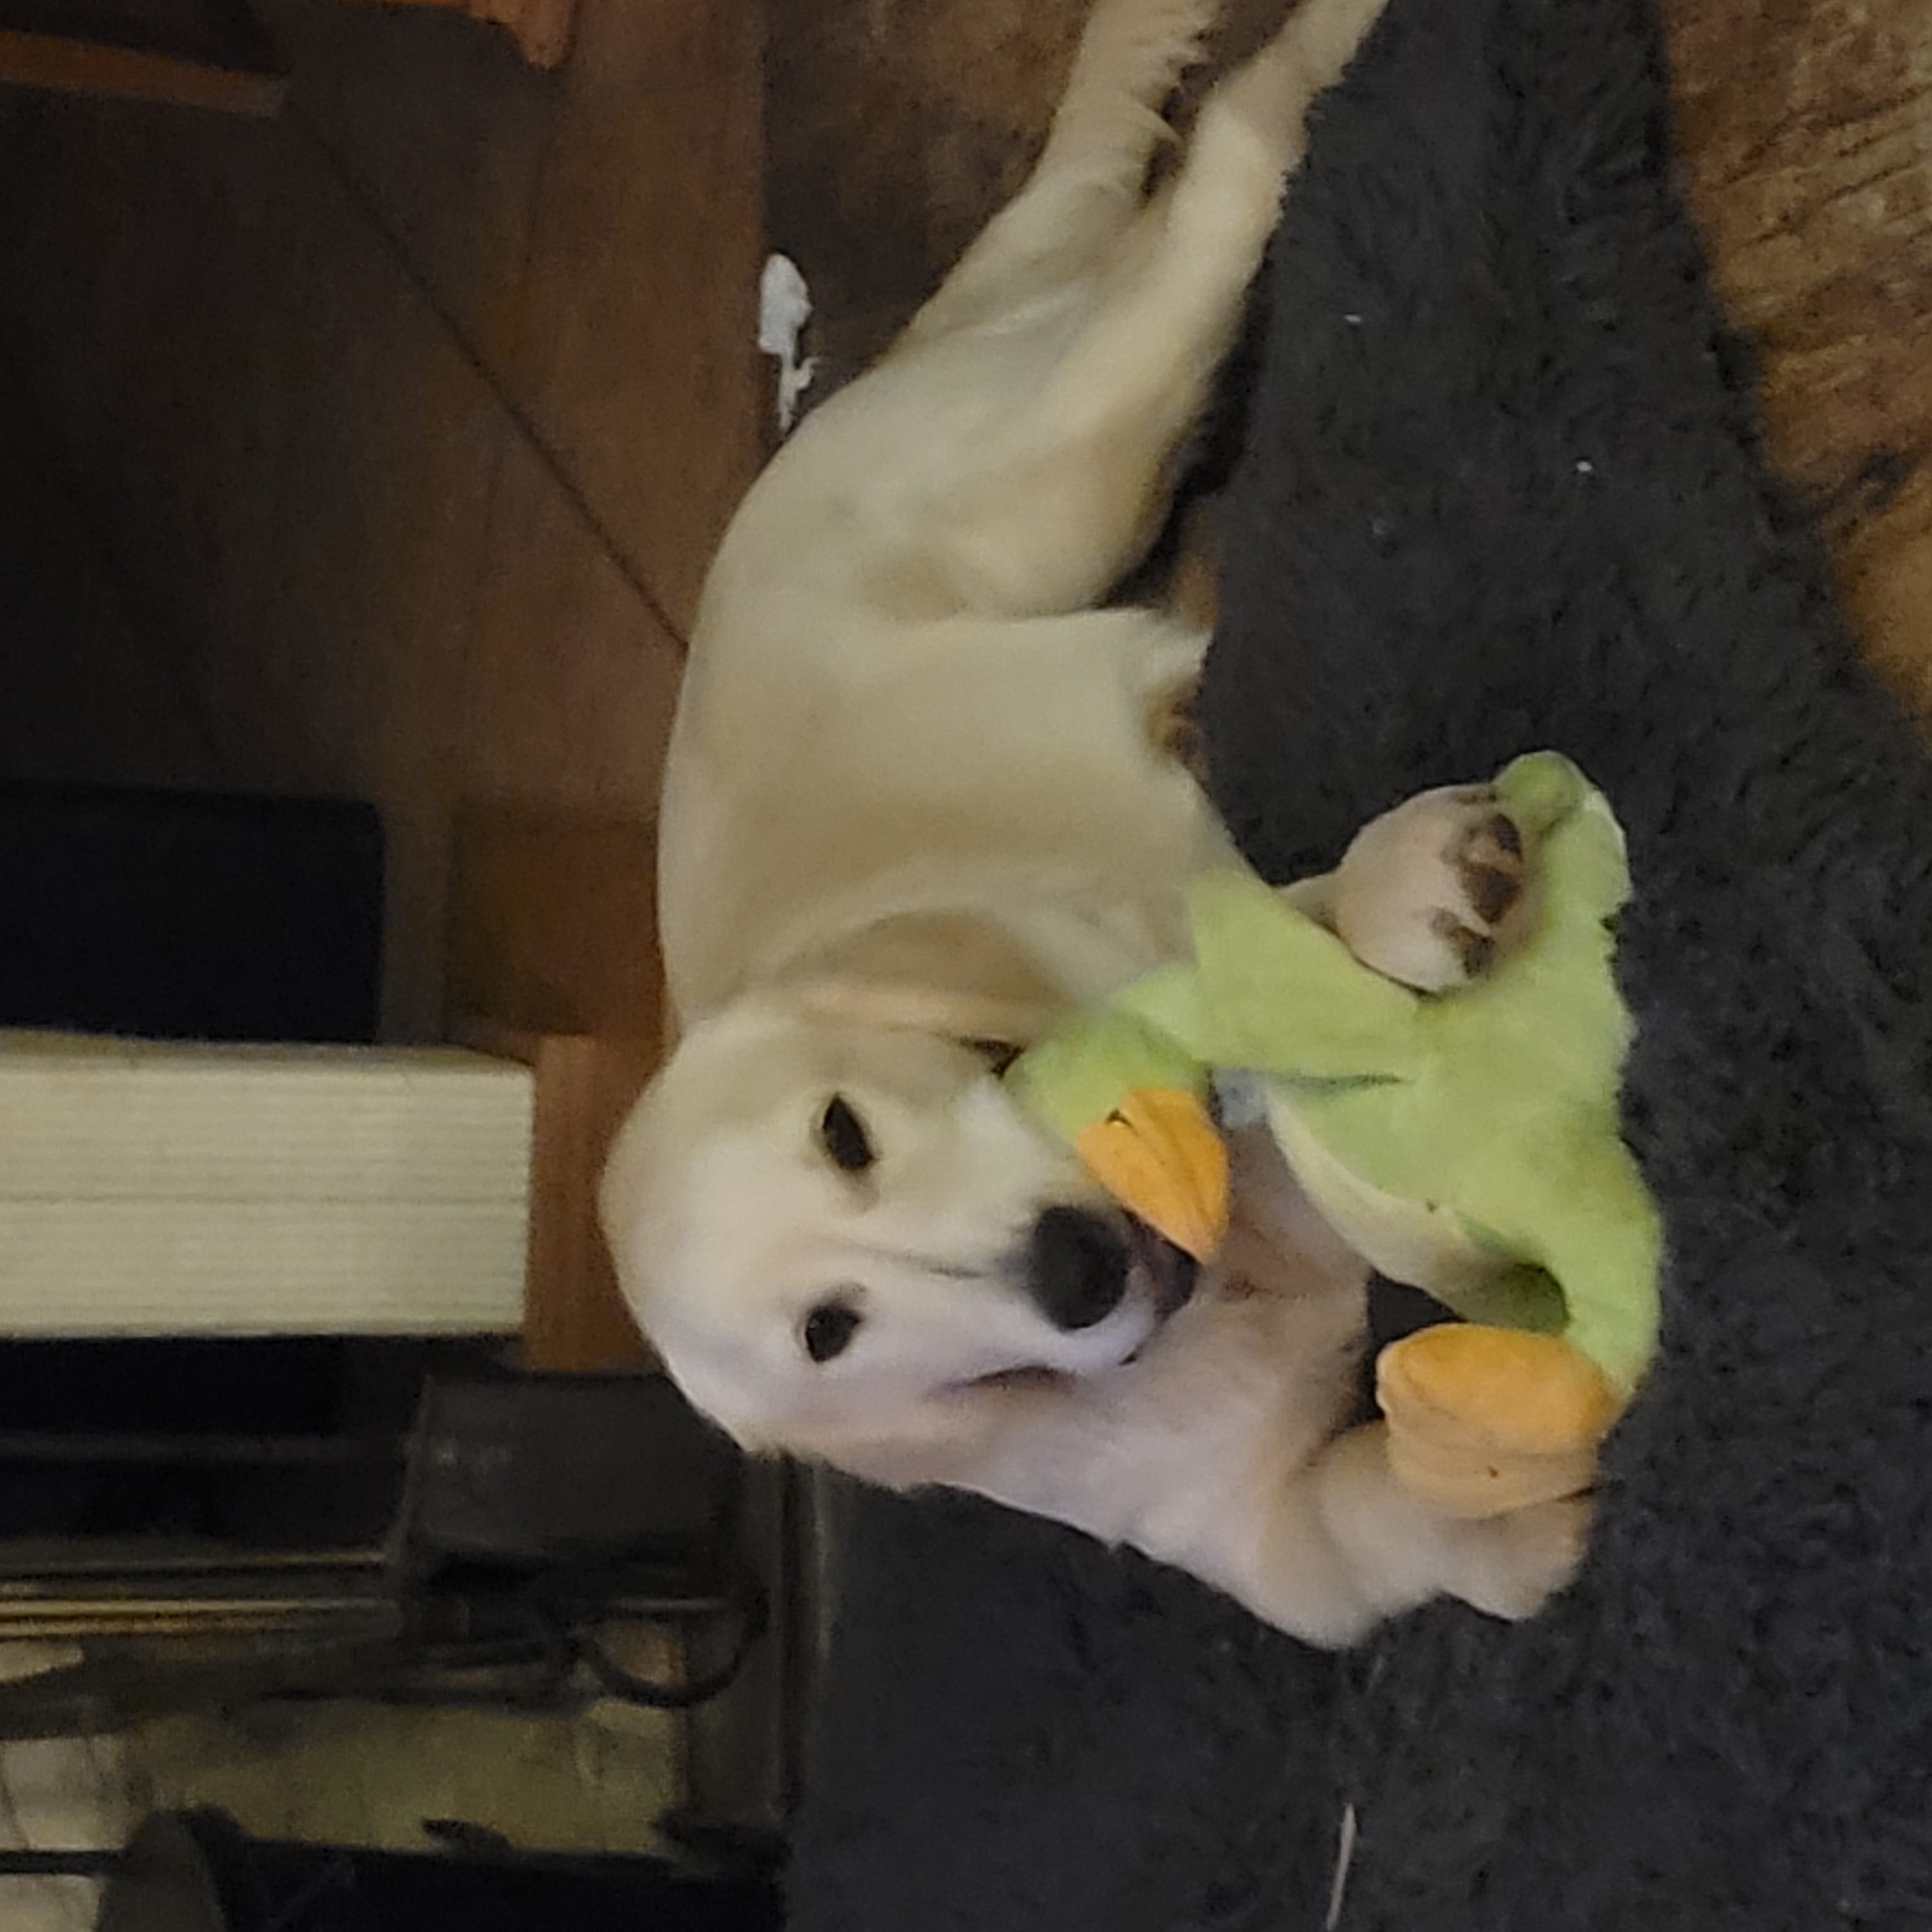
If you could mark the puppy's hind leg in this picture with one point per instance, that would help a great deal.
(1137, 374)
(1088, 186)
(1059, 508)
(1342, 1544)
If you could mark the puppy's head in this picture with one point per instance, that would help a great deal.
(834, 1228)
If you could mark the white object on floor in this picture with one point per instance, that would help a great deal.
(154, 1189)
(60, 1794)
(784, 307)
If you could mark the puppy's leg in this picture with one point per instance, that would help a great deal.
(1321, 1541)
(1340, 1545)
(1067, 497)
(1330, 1546)
(1350, 1547)
(1431, 894)
(1216, 1452)
(1086, 189)
(1174, 302)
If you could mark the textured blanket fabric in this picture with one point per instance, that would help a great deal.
(1501, 491)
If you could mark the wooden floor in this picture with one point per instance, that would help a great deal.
(403, 423)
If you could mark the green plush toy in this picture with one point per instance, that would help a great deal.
(1467, 1143)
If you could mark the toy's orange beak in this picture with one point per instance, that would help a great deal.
(1160, 1155)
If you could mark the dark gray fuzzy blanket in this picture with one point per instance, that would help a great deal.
(1501, 491)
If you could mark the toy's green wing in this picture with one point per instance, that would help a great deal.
(1078, 1074)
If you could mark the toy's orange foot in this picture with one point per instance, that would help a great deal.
(1483, 1420)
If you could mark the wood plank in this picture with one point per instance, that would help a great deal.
(553, 961)
(1804, 132)
(189, 53)
(62, 66)
(574, 1319)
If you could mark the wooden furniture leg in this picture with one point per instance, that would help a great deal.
(553, 961)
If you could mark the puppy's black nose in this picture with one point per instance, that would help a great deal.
(1076, 1268)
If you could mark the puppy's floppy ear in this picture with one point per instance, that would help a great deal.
(939, 972)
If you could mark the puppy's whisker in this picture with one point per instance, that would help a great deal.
(950, 1270)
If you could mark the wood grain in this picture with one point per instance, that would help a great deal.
(553, 962)
(58, 65)
(1805, 131)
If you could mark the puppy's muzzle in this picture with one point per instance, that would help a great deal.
(1076, 1267)
(1080, 1267)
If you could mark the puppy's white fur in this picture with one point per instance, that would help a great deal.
(913, 800)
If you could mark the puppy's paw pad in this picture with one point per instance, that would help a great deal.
(1485, 862)
(1429, 893)
(1474, 950)
(1490, 864)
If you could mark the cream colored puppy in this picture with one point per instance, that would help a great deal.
(914, 807)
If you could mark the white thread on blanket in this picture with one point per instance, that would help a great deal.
(1345, 1857)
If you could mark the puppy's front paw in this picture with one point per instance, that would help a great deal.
(1431, 893)
(1510, 1566)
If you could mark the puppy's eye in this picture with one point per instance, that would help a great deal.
(843, 1136)
(829, 1329)
(999, 1054)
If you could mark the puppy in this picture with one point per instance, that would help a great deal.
(914, 814)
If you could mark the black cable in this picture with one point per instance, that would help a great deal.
(754, 1619)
